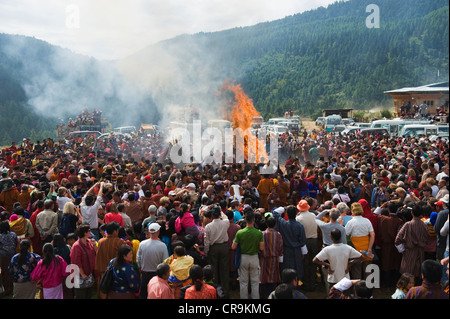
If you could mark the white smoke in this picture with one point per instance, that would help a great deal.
(160, 84)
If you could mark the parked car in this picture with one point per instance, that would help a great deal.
(351, 129)
(371, 130)
(320, 121)
(113, 134)
(348, 121)
(361, 124)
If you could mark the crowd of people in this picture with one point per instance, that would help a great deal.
(73, 210)
(421, 110)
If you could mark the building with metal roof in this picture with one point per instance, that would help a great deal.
(435, 95)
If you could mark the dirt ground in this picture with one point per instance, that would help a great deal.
(321, 293)
(308, 124)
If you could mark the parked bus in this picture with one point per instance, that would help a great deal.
(331, 121)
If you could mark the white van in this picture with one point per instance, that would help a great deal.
(125, 129)
(394, 126)
(276, 129)
(276, 121)
(415, 130)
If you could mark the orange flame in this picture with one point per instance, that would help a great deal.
(241, 116)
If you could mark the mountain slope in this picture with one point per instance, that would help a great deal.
(323, 58)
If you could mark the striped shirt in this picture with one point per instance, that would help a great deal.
(414, 236)
(108, 249)
(427, 291)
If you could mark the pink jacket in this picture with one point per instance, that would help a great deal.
(185, 222)
(52, 276)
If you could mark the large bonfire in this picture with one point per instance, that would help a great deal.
(241, 114)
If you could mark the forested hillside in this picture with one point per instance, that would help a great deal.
(323, 58)
(328, 58)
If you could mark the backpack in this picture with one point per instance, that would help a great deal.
(107, 279)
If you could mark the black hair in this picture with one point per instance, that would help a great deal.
(122, 232)
(249, 217)
(89, 200)
(196, 273)
(83, 229)
(131, 196)
(270, 221)
(283, 291)
(112, 226)
(291, 212)
(59, 241)
(123, 251)
(362, 291)
(335, 234)
(162, 269)
(4, 227)
(183, 209)
(208, 273)
(72, 236)
(431, 270)
(48, 255)
(189, 241)
(417, 210)
(288, 275)
(179, 250)
(24, 246)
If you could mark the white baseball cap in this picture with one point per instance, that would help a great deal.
(153, 227)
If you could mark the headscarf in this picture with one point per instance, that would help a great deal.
(368, 213)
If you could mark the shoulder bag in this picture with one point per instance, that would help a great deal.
(90, 281)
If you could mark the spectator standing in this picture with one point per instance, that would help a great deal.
(294, 239)
(251, 241)
(126, 283)
(83, 254)
(89, 207)
(47, 222)
(151, 252)
(308, 220)
(50, 273)
(216, 247)
(413, 236)
(270, 258)
(362, 237)
(337, 258)
(108, 248)
(20, 268)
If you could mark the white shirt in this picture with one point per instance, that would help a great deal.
(434, 190)
(440, 176)
(358, 226)
(89, 213)
(342, 197)
(308, 220)
(62, 201)
(127, 224)
(216, 232)
(150, 254)
(338, 256)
